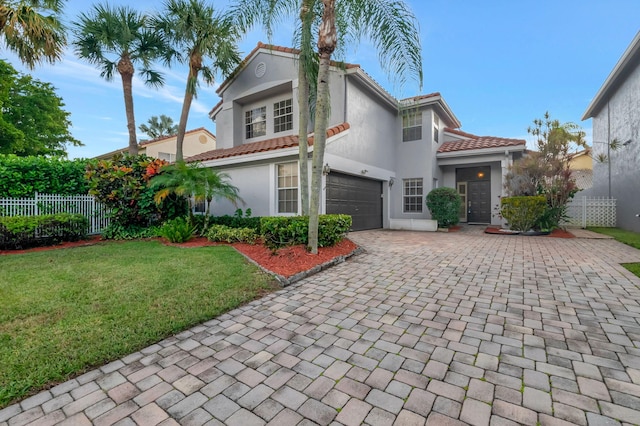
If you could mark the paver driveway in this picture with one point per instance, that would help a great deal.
(423, 328)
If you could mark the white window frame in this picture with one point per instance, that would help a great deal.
(436, 129)
(253, 118)
(283, 112)
(411, 126)
(167, 156)
(279, 188)
(412, 190)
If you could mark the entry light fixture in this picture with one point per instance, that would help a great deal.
(391, 181)
(326, 169)
(480, 175)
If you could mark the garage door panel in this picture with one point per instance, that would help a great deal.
(358, 197)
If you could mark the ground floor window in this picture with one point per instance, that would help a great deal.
(412, 195)
(287, 183)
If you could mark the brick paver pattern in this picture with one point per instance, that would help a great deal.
(423, 328)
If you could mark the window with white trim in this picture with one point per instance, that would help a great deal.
(282, 116)
(436, 129)
(412, 195)
(287, 183)
(167, 156)
(411, 126)
(255, 122)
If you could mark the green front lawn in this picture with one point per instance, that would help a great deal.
(65, 311)
(628, 237)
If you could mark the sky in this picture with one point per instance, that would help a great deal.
(499, 64)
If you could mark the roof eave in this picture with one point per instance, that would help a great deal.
(482, 151)
(630, 55)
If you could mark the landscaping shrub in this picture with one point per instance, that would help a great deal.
(280, 231)
(115, 231)
(28, 231)
(522, 213)
(122, 185)
(444, 205)
(21, 177)
(177, 230)
(231, 235)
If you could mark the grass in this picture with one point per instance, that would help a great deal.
(65, 311)
(627, 237)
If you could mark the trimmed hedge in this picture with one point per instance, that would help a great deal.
(280, 231)
(444, 205)
(522, 213)
(18, 232)
(21, 177)
(231, 235)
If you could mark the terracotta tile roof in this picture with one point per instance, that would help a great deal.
(262, 146)
(420, 97)
(479, 142)
(188, 132)
(273, 47)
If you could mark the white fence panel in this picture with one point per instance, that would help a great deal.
(584, 211)
(85, 205)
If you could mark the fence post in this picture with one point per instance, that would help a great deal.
(584, 212)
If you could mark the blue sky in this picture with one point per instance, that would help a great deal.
(499, 64)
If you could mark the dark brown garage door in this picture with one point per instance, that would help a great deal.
(358, 197)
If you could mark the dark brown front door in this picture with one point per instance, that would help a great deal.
(358, 197)
(479, 202)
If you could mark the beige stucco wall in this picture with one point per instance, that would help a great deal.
(194, 143)
(582, 162)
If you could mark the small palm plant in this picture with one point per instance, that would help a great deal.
(195, 182)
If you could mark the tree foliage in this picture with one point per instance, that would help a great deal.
(158, 127)
(116, 40)
(546, 171)
(122, 184)
(32, 30)
(197, 33)
(32, 118)
(21, 177)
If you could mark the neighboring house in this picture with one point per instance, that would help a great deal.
(581, 165)
(615, 110)
(382, 155)
(195, 142)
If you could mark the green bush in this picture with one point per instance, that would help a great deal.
(444, 205)
(21, 177)
(522, 213)
(178, 230)
(280, 231)
(231, 235)
(121, 184)
(28, 231)
(115, 231)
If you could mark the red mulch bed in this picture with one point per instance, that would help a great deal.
(286, 261)
(556, 233)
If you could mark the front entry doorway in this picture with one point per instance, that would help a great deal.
(478, 203)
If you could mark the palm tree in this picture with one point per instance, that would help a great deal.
(196, 182)
(115, 40)
(31, 29)
(159, 127)
(196, 33)
(389, 24)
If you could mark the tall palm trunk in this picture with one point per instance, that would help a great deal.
(125, 68)
(306, 17)
(327, 41)
(194, 67)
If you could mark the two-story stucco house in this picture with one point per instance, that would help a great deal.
(383, 155)
(615, 110)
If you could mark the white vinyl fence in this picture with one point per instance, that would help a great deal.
(85, 205)
(585, 211)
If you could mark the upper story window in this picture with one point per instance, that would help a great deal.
(255, 122)
(287, 183)
(282, 116)
(411, 126)
(436, 129)
(412, 195)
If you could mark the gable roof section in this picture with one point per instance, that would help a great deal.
(626, 64)
(262, 146)
(433, 99)
(164, 138)
(478, 142)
